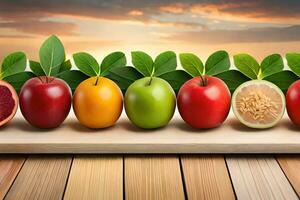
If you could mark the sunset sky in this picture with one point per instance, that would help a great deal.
(100, 27)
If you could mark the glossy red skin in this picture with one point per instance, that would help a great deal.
(293, 102)
(45, 103)
(204, 107)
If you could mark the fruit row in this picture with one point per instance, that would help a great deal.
(150, 90)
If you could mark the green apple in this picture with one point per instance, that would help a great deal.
(150, 102)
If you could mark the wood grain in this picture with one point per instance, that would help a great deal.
(148, 177)
(206, 177)
(177, 137)
(96, 177)
(41, 178)
(9, 168)
(259, 178)
(290, 164)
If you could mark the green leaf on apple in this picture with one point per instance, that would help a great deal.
(113, 60)
(217, 63)
(142, 62)
(87, 64)
(164, 63)
(73, 78)
(293, 60)
(283, 79)
(124, 76)
(176, 78)
(52, 55)
(192, 64)
(18, 80)
(12, 64)
(36, 68)
(233, 78)
(271, 65)
(247, 65)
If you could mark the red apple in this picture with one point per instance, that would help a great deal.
(293, 102)
(45, 102)
(204, 102)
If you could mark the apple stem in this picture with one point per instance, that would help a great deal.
(150, 81)
(203, 81)
(40, 79)
(97, 80)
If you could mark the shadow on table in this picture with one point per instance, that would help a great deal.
(288, 124)
(26, 127)
(127, 125)
(76, 126)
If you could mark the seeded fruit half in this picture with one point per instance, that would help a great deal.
(8, 102)
(258, 104)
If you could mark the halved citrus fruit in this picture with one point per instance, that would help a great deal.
(8, 102)
(258, 104)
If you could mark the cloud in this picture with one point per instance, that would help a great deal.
(262, 35)
(35, 16)
(177, 8)
(256, 11)
(41, 27)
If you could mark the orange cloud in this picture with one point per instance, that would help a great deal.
(136, 13)
(241, 11)
(174, 8)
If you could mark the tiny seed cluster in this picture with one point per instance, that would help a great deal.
(258, 105)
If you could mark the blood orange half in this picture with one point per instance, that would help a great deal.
(8, 102)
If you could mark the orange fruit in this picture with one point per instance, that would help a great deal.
(98, 104)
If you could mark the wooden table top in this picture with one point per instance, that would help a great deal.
(149, 177)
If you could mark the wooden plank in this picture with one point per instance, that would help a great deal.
(259, 178)
(9, 168)
(177, 137)
(96, 177)
(41, 178)
(206, 177)
(148, 177)
(290, 164)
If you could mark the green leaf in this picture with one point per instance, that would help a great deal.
(38, 71)
(293, 60)
(247, 65)
(87, 64)
(176, 78)
(271, 65)
(52, 55)
(142, 62)
(65, 66)
(216, 63)
(73, 78)
(13, 64)
(282, 79)
(165, 62)
(233, 79)
(36, 68)
(124, 76)
(18, 80)
(192, 64)
(113, 60)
